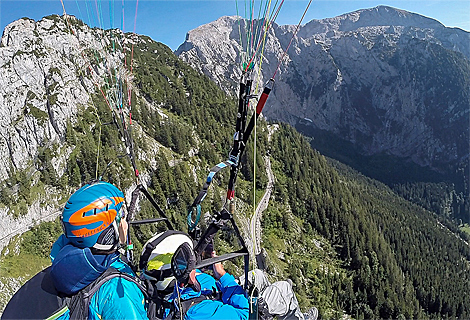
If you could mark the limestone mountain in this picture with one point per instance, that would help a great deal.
(378, 86)
(42, 67)
(351, 245)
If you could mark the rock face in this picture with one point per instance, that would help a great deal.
(45, 80)
(43, 84)
(386, 80)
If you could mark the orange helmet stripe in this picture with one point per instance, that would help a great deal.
(107, 220)
(107, 217)
(117, 200)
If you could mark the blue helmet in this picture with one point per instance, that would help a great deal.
(91, 216)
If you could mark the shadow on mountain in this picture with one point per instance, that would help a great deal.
(389, 169)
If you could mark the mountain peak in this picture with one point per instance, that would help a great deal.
(373, 17)
(388, 16)
(390, 66)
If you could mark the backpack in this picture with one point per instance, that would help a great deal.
(38, 298)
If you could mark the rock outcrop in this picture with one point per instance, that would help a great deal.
(45, 80)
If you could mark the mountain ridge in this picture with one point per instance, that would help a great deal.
(384, 80)
(208, 50)
(379, 15)
(338, 235)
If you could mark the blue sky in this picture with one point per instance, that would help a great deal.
(168, 21)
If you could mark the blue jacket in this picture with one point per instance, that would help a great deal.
(74, 268)
(233, 305)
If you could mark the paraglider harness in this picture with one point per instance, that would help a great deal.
(49, 304)
(182, 263)
(78, 305)
(219, 219)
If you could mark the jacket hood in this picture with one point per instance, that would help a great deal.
(74, 268)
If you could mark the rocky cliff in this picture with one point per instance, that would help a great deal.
(386, 80)
(45, 81)
(54, 122)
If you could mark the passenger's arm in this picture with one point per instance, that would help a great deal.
(232, 292)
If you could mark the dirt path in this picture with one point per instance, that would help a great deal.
(255, 225)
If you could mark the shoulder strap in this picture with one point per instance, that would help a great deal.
(109, 274)
(79, 303)
(189, 303)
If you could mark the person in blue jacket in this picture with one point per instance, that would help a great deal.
(93, 228)
(199, 296)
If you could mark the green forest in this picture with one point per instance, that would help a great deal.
(350, 244)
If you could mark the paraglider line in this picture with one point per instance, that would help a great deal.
(293, 35)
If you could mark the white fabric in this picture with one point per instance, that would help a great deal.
(281, 301)
(279, 296)
(260, 279)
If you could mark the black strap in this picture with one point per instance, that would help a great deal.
(79, 303)
(160, 274)
(202, 194)
(227, 256)
(155, 205)
(109, 274)
(195, 208)
(189, 303)
(242, 139)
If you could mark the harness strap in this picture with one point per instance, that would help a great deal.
(79, 303)
(195, 208)
(189, 303)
